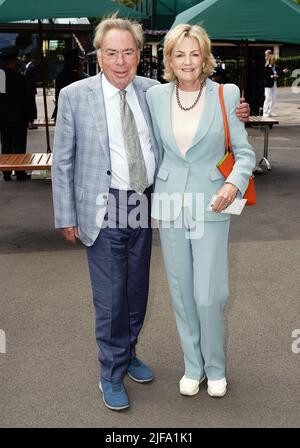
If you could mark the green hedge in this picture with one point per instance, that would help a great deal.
(292, 63)
(235, 69)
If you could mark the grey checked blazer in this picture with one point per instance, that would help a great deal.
(81, 161)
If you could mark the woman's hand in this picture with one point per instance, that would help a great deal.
(226, 196)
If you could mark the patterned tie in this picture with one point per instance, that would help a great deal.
(136, 163)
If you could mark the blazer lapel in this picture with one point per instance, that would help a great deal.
(140, 91)
(207, 115)
(97, 105)
(166, 118)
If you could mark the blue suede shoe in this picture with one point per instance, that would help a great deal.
(114, 394)
(139, 372)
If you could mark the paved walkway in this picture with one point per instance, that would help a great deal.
(288, 106)
(49, 373)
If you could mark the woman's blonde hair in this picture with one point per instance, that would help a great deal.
(268, 56)
(175, 36)
(114, 22)
(272, 59)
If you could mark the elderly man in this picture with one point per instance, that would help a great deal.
(104, 154)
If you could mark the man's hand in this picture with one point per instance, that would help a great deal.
(70, 234)
(226, 196)
(243, 110)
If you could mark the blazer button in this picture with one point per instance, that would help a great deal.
(104, 196)
(108, 172)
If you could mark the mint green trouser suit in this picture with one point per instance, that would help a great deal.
(197, 271)
(197, 268)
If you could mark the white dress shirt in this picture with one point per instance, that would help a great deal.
(119, 165)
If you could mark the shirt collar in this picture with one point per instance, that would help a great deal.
(109, 90)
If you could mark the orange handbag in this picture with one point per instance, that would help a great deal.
(225, 165)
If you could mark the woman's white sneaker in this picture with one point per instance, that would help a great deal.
(188, 386)
(217, 388)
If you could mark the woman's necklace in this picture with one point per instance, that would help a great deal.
(194, 103)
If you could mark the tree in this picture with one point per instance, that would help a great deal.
(129, 3)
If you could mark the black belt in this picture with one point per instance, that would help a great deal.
(115, 191)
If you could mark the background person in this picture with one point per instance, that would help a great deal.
(272, 74)
(30, 77)
(188, 124)
(14, 110)
(82, 68)
(70, 72)
(220, 73)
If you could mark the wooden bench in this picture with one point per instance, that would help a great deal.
(26, 162)
(266, 123)
(42, 122)
(43, 161)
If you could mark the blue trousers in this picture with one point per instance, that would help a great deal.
(119, 264)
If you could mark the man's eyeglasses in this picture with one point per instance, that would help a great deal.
(114, 54)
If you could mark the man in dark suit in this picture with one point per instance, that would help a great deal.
(30, 76)
(68, 74)
(14, 114)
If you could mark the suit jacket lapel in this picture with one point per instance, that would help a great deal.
(207, 115)
(166, 106)
(97, 105)
(204, 123)
(141, 96)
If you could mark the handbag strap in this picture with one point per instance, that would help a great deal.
(228, 146)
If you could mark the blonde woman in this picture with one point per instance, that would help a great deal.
(272, 74)
(188, 125)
